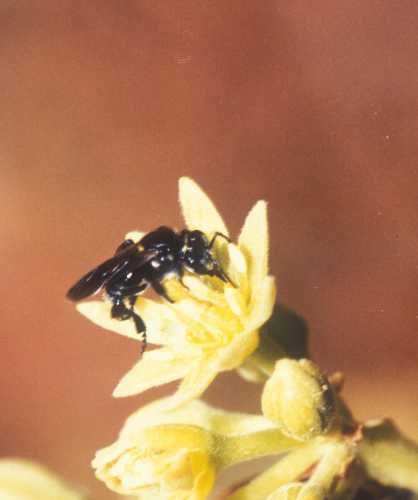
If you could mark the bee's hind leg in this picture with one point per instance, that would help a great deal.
(138, 321)
(121, 312)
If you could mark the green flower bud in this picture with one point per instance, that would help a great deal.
(299, 398)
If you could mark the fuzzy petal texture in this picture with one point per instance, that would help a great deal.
(162, 326)
(156, 368)
(198, 210)
(253, 242)
(198, 413)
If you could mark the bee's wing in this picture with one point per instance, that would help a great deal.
(95, 279)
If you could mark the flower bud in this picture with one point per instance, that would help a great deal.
(299, 398)
(163, 462)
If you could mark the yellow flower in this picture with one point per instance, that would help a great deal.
(176, 454)
(212, 327)
(165, 462)
(25, 480)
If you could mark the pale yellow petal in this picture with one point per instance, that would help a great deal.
(155, 368)
(199, 290)
(253, 241)
(162, 326)
(195, 412)
(198, 210)
(263, 304)
(134, 236)
(231, 356)
(237, 259)
(236, 269)
(208, 326)
(99, 313)
(235, 300)
(200, 376)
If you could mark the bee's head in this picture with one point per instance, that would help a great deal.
(197, 257)
(195, 253)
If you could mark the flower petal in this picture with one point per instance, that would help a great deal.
(237, 270)
(235, 300)
(155, 368)
(201, 291)
(200, 376)
(134, 236)
(195, 412)
(253, 241)
(198, 210)
(263, 304)
(233, 355)
(99, 313)
(161, 323)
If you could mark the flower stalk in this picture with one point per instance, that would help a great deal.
(290, 468)
(236, 449)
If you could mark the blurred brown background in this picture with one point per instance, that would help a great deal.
(103, 105)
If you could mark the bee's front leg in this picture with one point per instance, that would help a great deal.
(180, 274)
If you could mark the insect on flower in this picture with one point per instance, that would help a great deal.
(160, 254)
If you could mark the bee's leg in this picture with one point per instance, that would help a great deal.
(180, 274)
(119, 310)
(138, 321)
(159, 288)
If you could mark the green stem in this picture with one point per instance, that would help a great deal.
(288, 469)
(242, 447)
(335, 460)
(388, 456)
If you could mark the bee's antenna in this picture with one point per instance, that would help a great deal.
(217, 235)
(221, 274)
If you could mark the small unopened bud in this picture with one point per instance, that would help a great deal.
(159, 462)
(299, 398)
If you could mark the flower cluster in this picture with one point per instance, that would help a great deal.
(175, 448)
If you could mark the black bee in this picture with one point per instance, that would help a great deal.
(136, 266)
